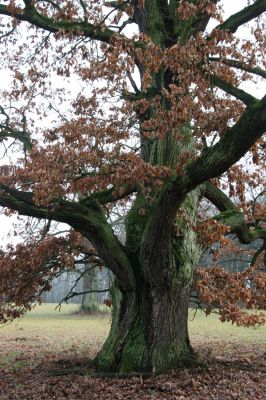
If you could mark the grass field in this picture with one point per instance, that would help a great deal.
(46, 338)
(51, 331)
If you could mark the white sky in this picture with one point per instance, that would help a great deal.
(230, 7)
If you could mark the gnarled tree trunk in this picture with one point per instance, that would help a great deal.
(149, 331)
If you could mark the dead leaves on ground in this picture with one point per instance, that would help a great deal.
(233, 372)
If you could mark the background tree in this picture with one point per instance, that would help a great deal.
(89, 303)
(158, 147)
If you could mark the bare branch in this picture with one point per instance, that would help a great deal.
(45, 231)
(258, 252)
(233, 145)
(240, 65)
(133, 83)
(8, 131)
(245, 15)
(31, 15)
(7, 33)
(74, 294)
(84, 7)
(240, 94)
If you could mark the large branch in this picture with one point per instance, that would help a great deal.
(110, 195)
(213, 162)
(239, 94)
(231, 215)
(31, 15)
(21, 136)
(7, 130)
(233, 145)
(89, 221)
(245, 15)
(240, 65)
(218, 198)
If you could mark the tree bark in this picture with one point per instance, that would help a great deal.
(149, 331)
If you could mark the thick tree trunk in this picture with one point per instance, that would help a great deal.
(149, 331)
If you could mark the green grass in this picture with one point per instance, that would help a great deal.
(211, 327)
(52, 310)
(46, 331)
(46, 319)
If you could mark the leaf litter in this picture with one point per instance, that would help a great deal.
(229, 371)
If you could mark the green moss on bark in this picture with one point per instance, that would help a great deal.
(172, 356)
(135, 352)
(187, 249)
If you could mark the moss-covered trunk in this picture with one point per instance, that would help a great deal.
(149, 331)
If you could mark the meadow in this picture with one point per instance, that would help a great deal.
(45, 355)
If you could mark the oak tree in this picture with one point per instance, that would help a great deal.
(158, 124)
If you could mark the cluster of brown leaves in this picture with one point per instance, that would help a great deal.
(212, 231)
(187, 9)
(95, 147)
(229, 292)
(27, 271)
(99, 153)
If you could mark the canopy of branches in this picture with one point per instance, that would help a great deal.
(132, 104)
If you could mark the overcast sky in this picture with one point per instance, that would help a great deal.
(230, 7)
